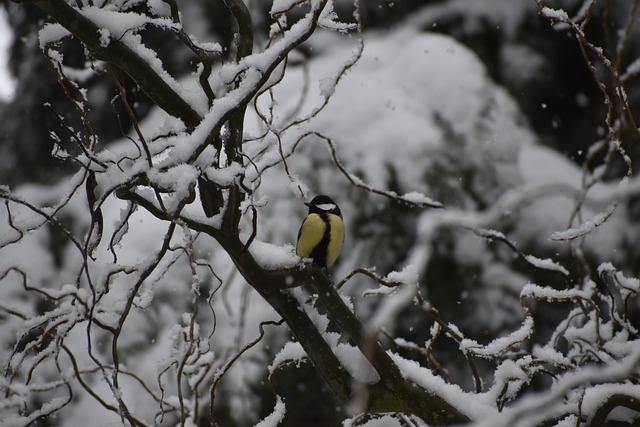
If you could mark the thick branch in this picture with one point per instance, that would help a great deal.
(271, 285)
(394, 392)
(320, 353)
(123, 57)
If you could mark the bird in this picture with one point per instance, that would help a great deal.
(322, 232)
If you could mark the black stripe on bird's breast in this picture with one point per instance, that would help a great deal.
(319, 253)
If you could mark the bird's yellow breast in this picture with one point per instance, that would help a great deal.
(310, 235)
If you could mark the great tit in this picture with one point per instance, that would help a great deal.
(322, 232)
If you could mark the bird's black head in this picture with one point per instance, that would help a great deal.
(323, 204)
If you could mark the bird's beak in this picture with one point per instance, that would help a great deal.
(307, 204)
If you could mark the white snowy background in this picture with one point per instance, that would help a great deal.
(418, 111)
(6, 80)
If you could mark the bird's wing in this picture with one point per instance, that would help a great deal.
(337, 238)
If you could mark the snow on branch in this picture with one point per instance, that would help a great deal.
(562, 398)
(586, 227)
(329, 20)
(276, 417)
(531, 290)
(554, 14)
(502, 344)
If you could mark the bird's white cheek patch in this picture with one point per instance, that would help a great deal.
(326, 206)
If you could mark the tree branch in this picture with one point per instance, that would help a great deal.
(120, 55)
(394, 392)
(612, 402)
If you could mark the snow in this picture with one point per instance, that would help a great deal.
(413, 99)
(501, 344)
(381, 421)
(7, 81)
(595, 396)
(551, 355)
(632, 70)
(409, 275)
(586, 227)
(105, 37)
(419, 199)
(210, 47)
(51, 34)
(554, 14)
(179, 180)
(546, 264)
(329, 20)
(628, 285)
(281, 6)
(119, 23)
(531, 290)
(468, 404)
(274, 418)
(225, 176)
(159, 8)
(44, 409)
(327, 87)
(292, 352)
(134, 42)
(273, 257)
(527, 410)
(356, 364)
